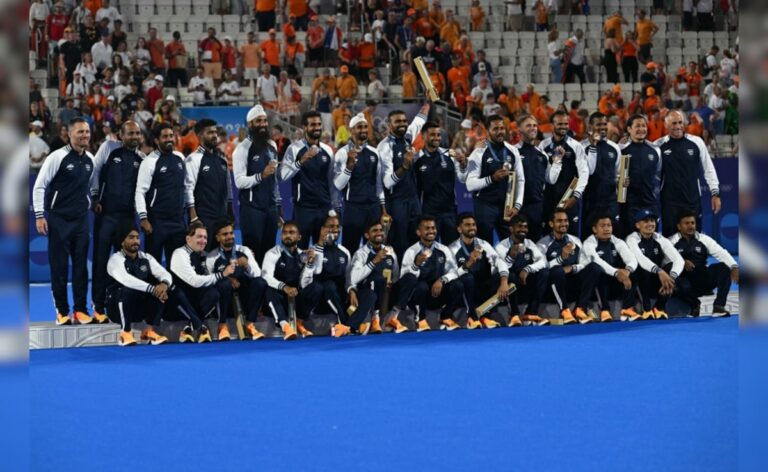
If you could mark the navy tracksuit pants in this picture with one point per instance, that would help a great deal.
(405, 215)
(68, 239)
(306, 301)
(126, 306)
(417, 294)
(356, 218)
(310, 220)
(259, 228)
(166, 237)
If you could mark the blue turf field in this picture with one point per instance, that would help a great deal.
(640, 396)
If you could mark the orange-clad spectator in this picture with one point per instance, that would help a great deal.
(514, 102)
(229, 56)
(477, 16)
(544, 114)
(621, 112)
(265, 14)
(450, 31)
(478, 132)
(367, 51)
(575, 121)
(349, 53)
(177, 61)
(156, 49)
(695, 125)
(341, 115)
(298, 9)
(418, 5)
(459, 97)
(97, 101)
(436, 15)
(315, 45)
(458, 73)
(288, 29)
(694, 80)
(210, 54)
(437, 79)
(92, 5)
(294, 56)
(607, 103)
(270, 52)
(635, 105)
(541, 12)
(656, 129)
(514, 131)
(531, 98)
(346, 84)
(645, 29)
(652, 101)
(423, 26)
(325, 78)
(251, 58)
(463, 47)
(410, 81)
(615, 21)
(187, 141)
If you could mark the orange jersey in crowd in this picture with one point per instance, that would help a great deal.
(410, 84)
(297, 8)
(656, 129)
(477, 15)
(265, 5)
(271, 52)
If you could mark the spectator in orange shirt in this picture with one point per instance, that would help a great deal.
(607, 103)
(651, 100)
(695, 125)
(210, 55)
(542, 16)
(299, 11)
(315, 45)
(514, 102)
(229, 56)
(621, 112)
(656, 129)
(341, 115)
(293, 56)
(450, 31)
(423, 26)
(325, 78)
(645, 29)
(458, 73)
(459, 97)
(265, 14)
(437, 79)
(544, 115)
(530, 98)
(464, 48)
(477, 16)
(436, 15)
(270, 52)
(694, 80)
(251, 58)
(346, 84)
(93, 6)
(156, 49)
(367, 51)
(410, 81)
(615, 21)
(575, 122)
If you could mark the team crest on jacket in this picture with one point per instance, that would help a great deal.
(690, 152)
(423, 168)
(440, 259)
(650, 157)
(667, 152)
(88, 167)
(443, 164)
(389, 262)
(179, 164)
(611, 155)
(256, 158)
(342, 260)
(163, 169)
(117, 160)
(70, 166)
(373, 158)
(206, 168)
(554, 254)
(143, 268)
(697, 249)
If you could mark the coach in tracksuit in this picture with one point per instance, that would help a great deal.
(309, 166)
(486, 273)
(61, 190)
(289, 271)
(398, 160)
(618, 265)
(246, 280)
(208, 188)
(430, 278)
(659, 265)
(488, 180)
(254, 163)
(684, 159)
(535, 165)
(527, 269)
(437, 171)
(113, 187)
(358, 175)
(600, 195)
(568, 161)
(568, 267)
(368, 282)
(644, 168)
(160, 196)
(139, 289)
(210, 294)
(698, 278)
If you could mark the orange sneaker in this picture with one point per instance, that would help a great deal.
(303, 331)
(150, 335)
(363, 328)
(567, 316)
(660, 314)
(647, 315)
(340, 330)
(489, 323)
(205, 335)
(629, 314)
(423, 326)
(82, 318)
(375, 326)
(100, 318)
(186, 335)
(396, 325)
(515, 321)
(223, 333)
(62, 320)
(288, 333)
(582, 316)
(126, 339)
(449, 325)
(473, 323)
(605, 316)
(536, 320)
(254, 333)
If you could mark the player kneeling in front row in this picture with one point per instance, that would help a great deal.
(698, 278)
(288, 271)
(486, 271)
(429, 278)
(659, 264)
(617, 264)
(246, 280)
(568, 268)
(373, 271)
(139, 288)
(527, 270)
(209, 293)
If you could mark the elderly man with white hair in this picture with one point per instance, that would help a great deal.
(684, 158)
(358, 173)
(254, 163)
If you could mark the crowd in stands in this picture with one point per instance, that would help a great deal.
(105, 79)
